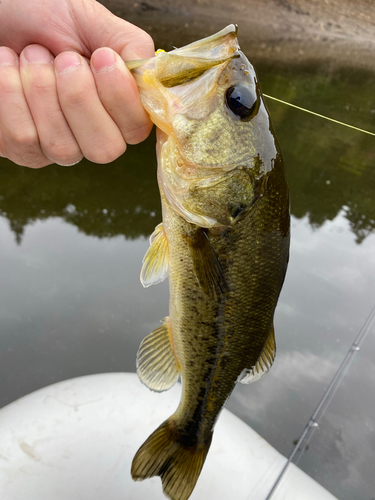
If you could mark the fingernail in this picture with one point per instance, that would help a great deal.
(103, 59)
(7, 57)
(37, 54)
(67, 61)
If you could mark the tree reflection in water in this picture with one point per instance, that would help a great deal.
(330, 168)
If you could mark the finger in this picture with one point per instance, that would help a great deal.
(19, 137)
(39, 84)
(119, 95)
(98, 27)
(97, 134)
(1, 150)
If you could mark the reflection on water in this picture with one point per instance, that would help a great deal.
(70, 305)
(118, 199)
(330, 168)
(72, 241)
(328, 293)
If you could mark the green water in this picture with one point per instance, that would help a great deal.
(72, 242)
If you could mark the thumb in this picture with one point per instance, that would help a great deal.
(98, 27)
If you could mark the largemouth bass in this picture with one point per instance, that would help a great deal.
(224, 241)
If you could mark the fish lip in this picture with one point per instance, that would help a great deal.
(219, 46)
(231, 29)
(216, 39)
(214, 50)
(181, 65)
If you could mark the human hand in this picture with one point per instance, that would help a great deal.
(65, 92)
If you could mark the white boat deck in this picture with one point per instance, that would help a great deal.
(75, 440)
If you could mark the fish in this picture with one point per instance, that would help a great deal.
(223, 243)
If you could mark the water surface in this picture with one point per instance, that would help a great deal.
(72, 241)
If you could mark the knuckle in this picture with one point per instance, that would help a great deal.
(63, 158)
(38, 79)
(73, 98)
(63, 154)
(22, 147)
(24, 138)
(147, 41)
(42, 83)
(10, 83)
(108, 152)
(58, 143)
(7, 87)
(39, 163)
(142, 44)
(138, 134)
(31, 159)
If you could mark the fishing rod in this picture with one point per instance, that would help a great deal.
(313, 422)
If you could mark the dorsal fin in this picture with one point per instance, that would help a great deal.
(264, 362)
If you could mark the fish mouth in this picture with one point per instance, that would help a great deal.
(186, 63)
(223, 38)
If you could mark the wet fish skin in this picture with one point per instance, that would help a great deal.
(224, 240)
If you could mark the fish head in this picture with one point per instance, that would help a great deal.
(215, 140)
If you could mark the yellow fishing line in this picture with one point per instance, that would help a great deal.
(320, 116)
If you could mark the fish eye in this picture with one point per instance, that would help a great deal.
(241, 100)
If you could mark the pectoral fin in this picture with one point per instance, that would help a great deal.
(264, 362)
(156, 261)
(157, 365)
(207, 266)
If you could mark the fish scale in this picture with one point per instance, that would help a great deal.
(223, 243)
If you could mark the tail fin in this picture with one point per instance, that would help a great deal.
(178, 466)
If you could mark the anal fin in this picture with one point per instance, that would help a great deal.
(264, 362)
(157, 365)
(156, 261)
